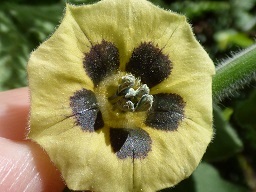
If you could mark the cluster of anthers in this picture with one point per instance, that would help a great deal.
(131, 95)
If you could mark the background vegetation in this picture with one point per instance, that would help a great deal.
(223, 28)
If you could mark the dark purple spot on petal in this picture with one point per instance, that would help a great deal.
(134, 143)
(102, 60)
(167, 112)
(150, 64)
(86, 111)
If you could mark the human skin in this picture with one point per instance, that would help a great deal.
(24, 166)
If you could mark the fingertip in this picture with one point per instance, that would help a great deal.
(24, 166)
(14, 110)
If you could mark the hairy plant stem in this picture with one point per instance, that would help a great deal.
(234, 73)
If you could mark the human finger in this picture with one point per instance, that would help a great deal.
(14, 110)
(24, 166)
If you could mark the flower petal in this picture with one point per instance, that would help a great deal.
(198, 108)
(166, 113)
(133, 143)
(86, 110)
(127, 25)
(173, 156)
(150, 64)
(55, 72)
(102, 59)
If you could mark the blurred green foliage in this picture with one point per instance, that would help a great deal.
(222, 26)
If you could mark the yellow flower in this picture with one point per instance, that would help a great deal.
(121, 97)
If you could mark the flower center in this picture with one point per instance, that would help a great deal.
(131, 95)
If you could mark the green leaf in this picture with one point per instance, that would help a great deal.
(226, 141)
(13, 55)
(245, 111)
(21, 30)
(207, 179)
(196, 9)
(245, 116)
(185, 185)
(244, 14)
(35, 22)
(230, 37)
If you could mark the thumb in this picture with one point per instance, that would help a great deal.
(25, 167)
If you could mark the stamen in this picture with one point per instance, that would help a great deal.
(131, 96)
(145, 103)
(127, 81)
